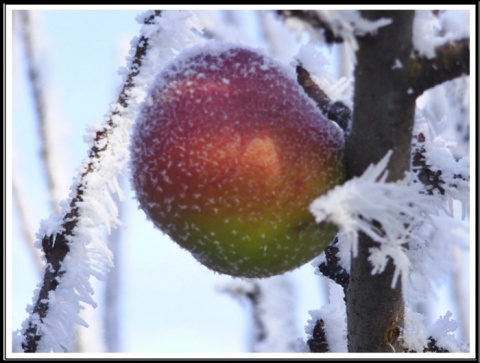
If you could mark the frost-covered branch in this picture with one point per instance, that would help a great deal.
(386, 212)
(454, 176)
(451, 60)
(335, 111)
(69, 234)
(343, 26)
(327, 328)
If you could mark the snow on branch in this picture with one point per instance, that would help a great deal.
(342, 26)
(451, 60)
(387, 212)
(436, 338)
(442, 48)
(73, 250)
(435, 166)
(327, 328)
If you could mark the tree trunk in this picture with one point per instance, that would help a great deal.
(383, 116)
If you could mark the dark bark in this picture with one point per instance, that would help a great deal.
(451, 60)
(383, 119)
(332, 268)
(318, 342)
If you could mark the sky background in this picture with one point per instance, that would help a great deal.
(168, 301)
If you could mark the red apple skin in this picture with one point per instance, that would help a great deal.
(227, 154)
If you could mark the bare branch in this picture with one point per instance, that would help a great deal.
(56, 246)
(428, 175)
(335, 111)
(451, 60)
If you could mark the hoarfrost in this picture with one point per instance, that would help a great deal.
(442, 331)
(348, 24)
(334, 317)
(440, 158)
(364, 203)
(431, 30)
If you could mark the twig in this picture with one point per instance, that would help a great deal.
(335, 111)
(56, 246)
(331, 267)
(451, 60)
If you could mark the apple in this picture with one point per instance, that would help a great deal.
(227, 154)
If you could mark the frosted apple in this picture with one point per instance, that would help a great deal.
(227, 154)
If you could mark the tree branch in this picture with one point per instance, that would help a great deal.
(429, 175)
(335, 111)
(56, 246)
(451, 60)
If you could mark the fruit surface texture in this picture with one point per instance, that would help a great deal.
(228, 153)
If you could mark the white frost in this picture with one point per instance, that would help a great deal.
(442, 331)
(431, 31)
(334, 317)
(364, 203)
(348, 24)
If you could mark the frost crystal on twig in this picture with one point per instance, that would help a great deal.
(388, 212)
